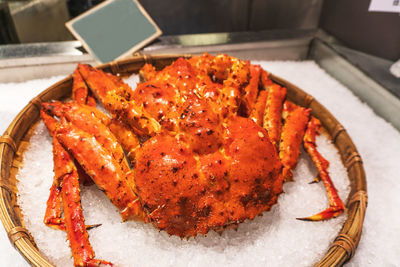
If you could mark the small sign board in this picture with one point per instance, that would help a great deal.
(385, 6)
(114, 29)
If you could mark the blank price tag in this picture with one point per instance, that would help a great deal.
(385, 6)
(114, 29)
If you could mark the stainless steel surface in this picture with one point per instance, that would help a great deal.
(384, 103)
(33, 61)
(226, 38)
(23, 69)
(40, 49)
(264, 45)
(23, 62)
(375, 67)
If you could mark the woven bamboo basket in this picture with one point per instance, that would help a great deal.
(16, 138)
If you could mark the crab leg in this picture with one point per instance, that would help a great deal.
(65, 190)
(297, 125)
(233, 73)
(273, 113)
(114, 94)
(257, 114)
(102, 81)
(73, 109)
(84, 118)
(251, 90)
(77, 234)
(265, 78)
(104, 170)
(53, 215)
(81, 114)
(336, 205)
(82, 95)
(80, 92)
(126, 136)
(238, 72)
(296, 119)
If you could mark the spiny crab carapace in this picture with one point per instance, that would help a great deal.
(201, 145)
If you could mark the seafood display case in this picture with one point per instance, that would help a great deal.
(366, 76)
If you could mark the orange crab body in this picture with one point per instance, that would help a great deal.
(210, 142)
(187, 193)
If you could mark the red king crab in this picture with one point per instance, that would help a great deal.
(201, 145)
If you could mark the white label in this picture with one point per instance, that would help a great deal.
(395, 69)
(385, 6)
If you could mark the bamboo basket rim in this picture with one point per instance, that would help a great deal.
(341, 250)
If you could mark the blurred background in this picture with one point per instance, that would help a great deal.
(375, 33)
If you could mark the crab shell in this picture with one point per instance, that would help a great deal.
(186, 193)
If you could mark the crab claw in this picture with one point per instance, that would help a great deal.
(102, 168)
(92, 226)
(331, 212)
(97, 263)
(115, 96)
(316, 180)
